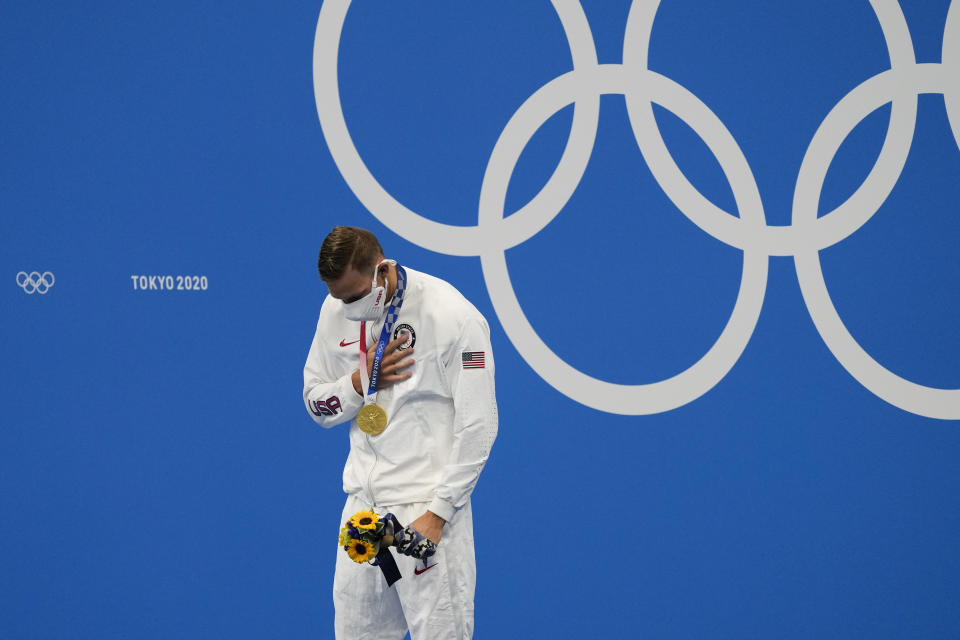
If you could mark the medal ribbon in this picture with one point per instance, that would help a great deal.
(370, 396)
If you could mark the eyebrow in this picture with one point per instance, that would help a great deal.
(354, 298)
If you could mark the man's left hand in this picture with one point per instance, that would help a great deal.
(430, 525)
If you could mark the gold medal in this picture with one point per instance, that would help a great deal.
(372, 419)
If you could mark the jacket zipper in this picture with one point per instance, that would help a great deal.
(376, 458)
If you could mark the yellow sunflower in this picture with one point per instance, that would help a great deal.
(360, 550)
(365, 520)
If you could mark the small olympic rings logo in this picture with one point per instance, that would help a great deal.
(35, 282)
(900, 85)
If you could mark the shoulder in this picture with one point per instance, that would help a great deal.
(440, 297)
(330, 310)
(331, 320)
(444, 305)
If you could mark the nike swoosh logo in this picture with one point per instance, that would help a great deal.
(347, 344)
(419, 571)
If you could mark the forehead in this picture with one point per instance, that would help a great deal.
(350, 285)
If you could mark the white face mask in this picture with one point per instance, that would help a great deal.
(369, 307)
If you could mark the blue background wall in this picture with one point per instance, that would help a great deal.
(159, 476)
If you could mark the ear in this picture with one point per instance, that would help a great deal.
(383, 270)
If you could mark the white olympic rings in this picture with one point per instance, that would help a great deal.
(802, 239)
(35, 282)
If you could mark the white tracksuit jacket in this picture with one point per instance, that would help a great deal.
(442, 420)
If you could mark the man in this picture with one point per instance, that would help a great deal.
(440, 413)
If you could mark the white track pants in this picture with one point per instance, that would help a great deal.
(434, 602)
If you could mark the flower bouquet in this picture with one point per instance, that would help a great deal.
(367, 536)
(362, 536)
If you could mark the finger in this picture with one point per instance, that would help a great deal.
(399, 340)
(398, 355)
(396, 375)
(392, 345)
(397, 364)
(401, 365)
(394, 378)
(391, 348)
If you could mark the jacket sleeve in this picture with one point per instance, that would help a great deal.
(475, 419)
(328, 395)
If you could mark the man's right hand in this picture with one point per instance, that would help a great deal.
(393, 365)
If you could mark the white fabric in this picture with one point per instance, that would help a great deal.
(442, 424)
(442, 420)
(434, 600)
(370, 306)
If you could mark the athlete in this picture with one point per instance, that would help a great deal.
(422, 420)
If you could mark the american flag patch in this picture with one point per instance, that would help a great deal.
(472, 359)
